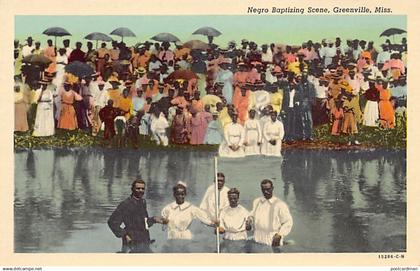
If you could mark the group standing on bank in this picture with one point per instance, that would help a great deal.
(248, 99)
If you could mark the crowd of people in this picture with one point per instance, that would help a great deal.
(270, 219)
(245, 97)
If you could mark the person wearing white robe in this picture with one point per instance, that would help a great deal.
(158, 128)
(273, 133)
(234, 218)
(44, 120)
(179, 215)
(270, 217)
(234, 136)
(262, 98)
(208, 203)
(253, 135)
(225, 76)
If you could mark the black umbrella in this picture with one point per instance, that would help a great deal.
(123, 32)
(98, 36)
(208, 31)
(392, 32)
(56, 32)
(79, 69)
(165, 37)
(39, 60)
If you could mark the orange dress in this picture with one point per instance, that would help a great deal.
(125, 104)
(241, 104)
(338, 115)
(49, 52)
(386, 110)
(115, 96)
(68, 119)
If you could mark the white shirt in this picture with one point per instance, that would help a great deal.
(292, 98)
(159, 125)
(27, 50)
(233, 220)
(267, 57)
(208, 203)
(270, 217)
(180, 218)
(383, 57)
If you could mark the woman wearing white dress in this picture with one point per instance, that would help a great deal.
(273, 133)
(179, 214)
(253, 135)
(44, 121)
(234, 137)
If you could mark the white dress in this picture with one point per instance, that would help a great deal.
(233, 220)
(371, 114)
(270, 217)
(180, 218)
(234, 134)
(208, 203)
(158, 128)
(272, 131)
(253, 135)
(44, 121)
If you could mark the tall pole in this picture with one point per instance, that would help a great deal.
(216, 194)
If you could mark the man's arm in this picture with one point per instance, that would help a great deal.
(115, 221)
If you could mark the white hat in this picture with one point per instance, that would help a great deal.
(182, 183)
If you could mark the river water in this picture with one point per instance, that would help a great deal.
(340, 201)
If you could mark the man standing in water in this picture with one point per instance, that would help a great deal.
(271, 217)
(208, 203)
(133, 213)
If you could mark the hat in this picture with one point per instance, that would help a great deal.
(366, 54)
(226, 61)
(276, 70)
(128, 82)
(140, 70)
(346, 86)
(182, 183)
(244, 41)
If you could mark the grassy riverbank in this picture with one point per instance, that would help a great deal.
(369, 137)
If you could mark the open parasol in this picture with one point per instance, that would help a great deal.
(79, 69)
(208, 31)
(123, 32)
(56, 32)
(98, 36)
(165, 37)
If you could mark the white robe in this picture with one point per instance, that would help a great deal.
(234, 134)
(180, 218)
(44, 121)
(158, 128)
(253, 136)
(208, 203)
(262, 99)
(272, 131)
(270, 217)
(233, 220)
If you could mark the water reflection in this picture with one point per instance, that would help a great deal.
(341, 202)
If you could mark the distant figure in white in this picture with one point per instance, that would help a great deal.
(158, 128)
(179, 214)
(273, 133)
(234, 136)
(270, 217)
(208, 203)
(253, 135)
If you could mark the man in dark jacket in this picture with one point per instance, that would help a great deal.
(133, 213)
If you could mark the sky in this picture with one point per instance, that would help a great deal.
(289, 29)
